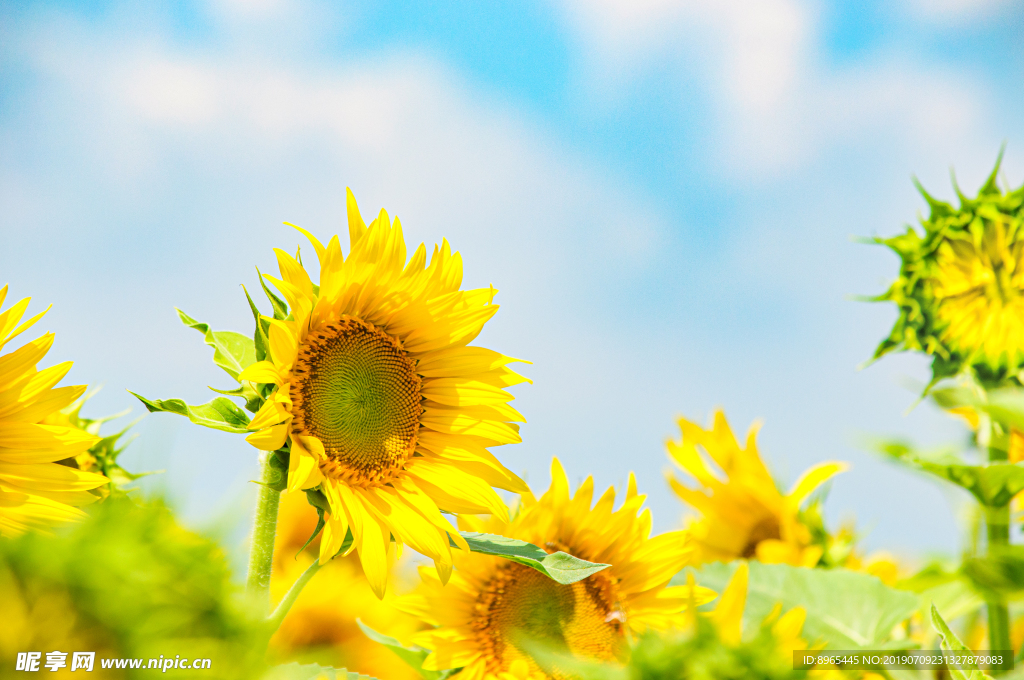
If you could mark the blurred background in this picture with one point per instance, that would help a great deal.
(663, 191)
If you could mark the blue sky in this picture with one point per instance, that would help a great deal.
(664, 192)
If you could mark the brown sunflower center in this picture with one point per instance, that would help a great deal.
(767, 528)
(356, 390)
(520, 607)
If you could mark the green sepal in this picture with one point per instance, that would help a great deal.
(951, 643)
(320, 522)
(312, 671)
(318, 500)
(280, 308)
(845, 609)
(414, 656)
(106, 451)
(992, 484)
(219, 414)
(278, 463)
(260, 337)
(253, 401)
(232, 351)
(559, 566)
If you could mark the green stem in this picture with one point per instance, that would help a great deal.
(998, 613)
(264, 528)
(998, 528)
(275, 619)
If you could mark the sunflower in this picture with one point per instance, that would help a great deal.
(961, 286)
(744, 516)
(490, 613)
(321, 625)
(36, 492)
(385, 408)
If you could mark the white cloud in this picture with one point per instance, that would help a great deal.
(776, 105)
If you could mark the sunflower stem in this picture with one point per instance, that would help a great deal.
(264, 528)
(275, 619)
(997, 522)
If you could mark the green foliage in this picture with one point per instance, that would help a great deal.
(1000, 572)
(845, 609)
(699, 654)
(232, 351)
(992, 484)
(703, 656)
(559, 566)
(126, 582)
(951, 643)
(1004, 404)
(219, 414)
(102, 456)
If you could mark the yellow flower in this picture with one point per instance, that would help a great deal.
(36, 492)
(961, 286)
(385, 407)
(321, 625)
(744, 516)
(492, 606)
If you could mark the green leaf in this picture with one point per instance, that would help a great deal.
(231, 351)
(559, 566)
(253, 401)
(414, 656)
(951, 643)
(219, 414)
(992, 484)
(312, 671)
(845, 609)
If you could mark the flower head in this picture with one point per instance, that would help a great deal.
(37, 492)
(490, 613)
(960, 291)
(383, 406)
(743, 515)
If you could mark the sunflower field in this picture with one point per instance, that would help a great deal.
(391, 538)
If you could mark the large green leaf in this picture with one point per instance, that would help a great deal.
(231, 351)
(219, 414)
(845, 609)
(559, 566)
(992, 484)
(414, 656)
(312, 671)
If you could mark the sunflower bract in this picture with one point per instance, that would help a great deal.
(960, 291)
(35, 491)
(379, 398)
(493, 610)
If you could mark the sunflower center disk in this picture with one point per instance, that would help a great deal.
(520, 606)
(356, 390)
